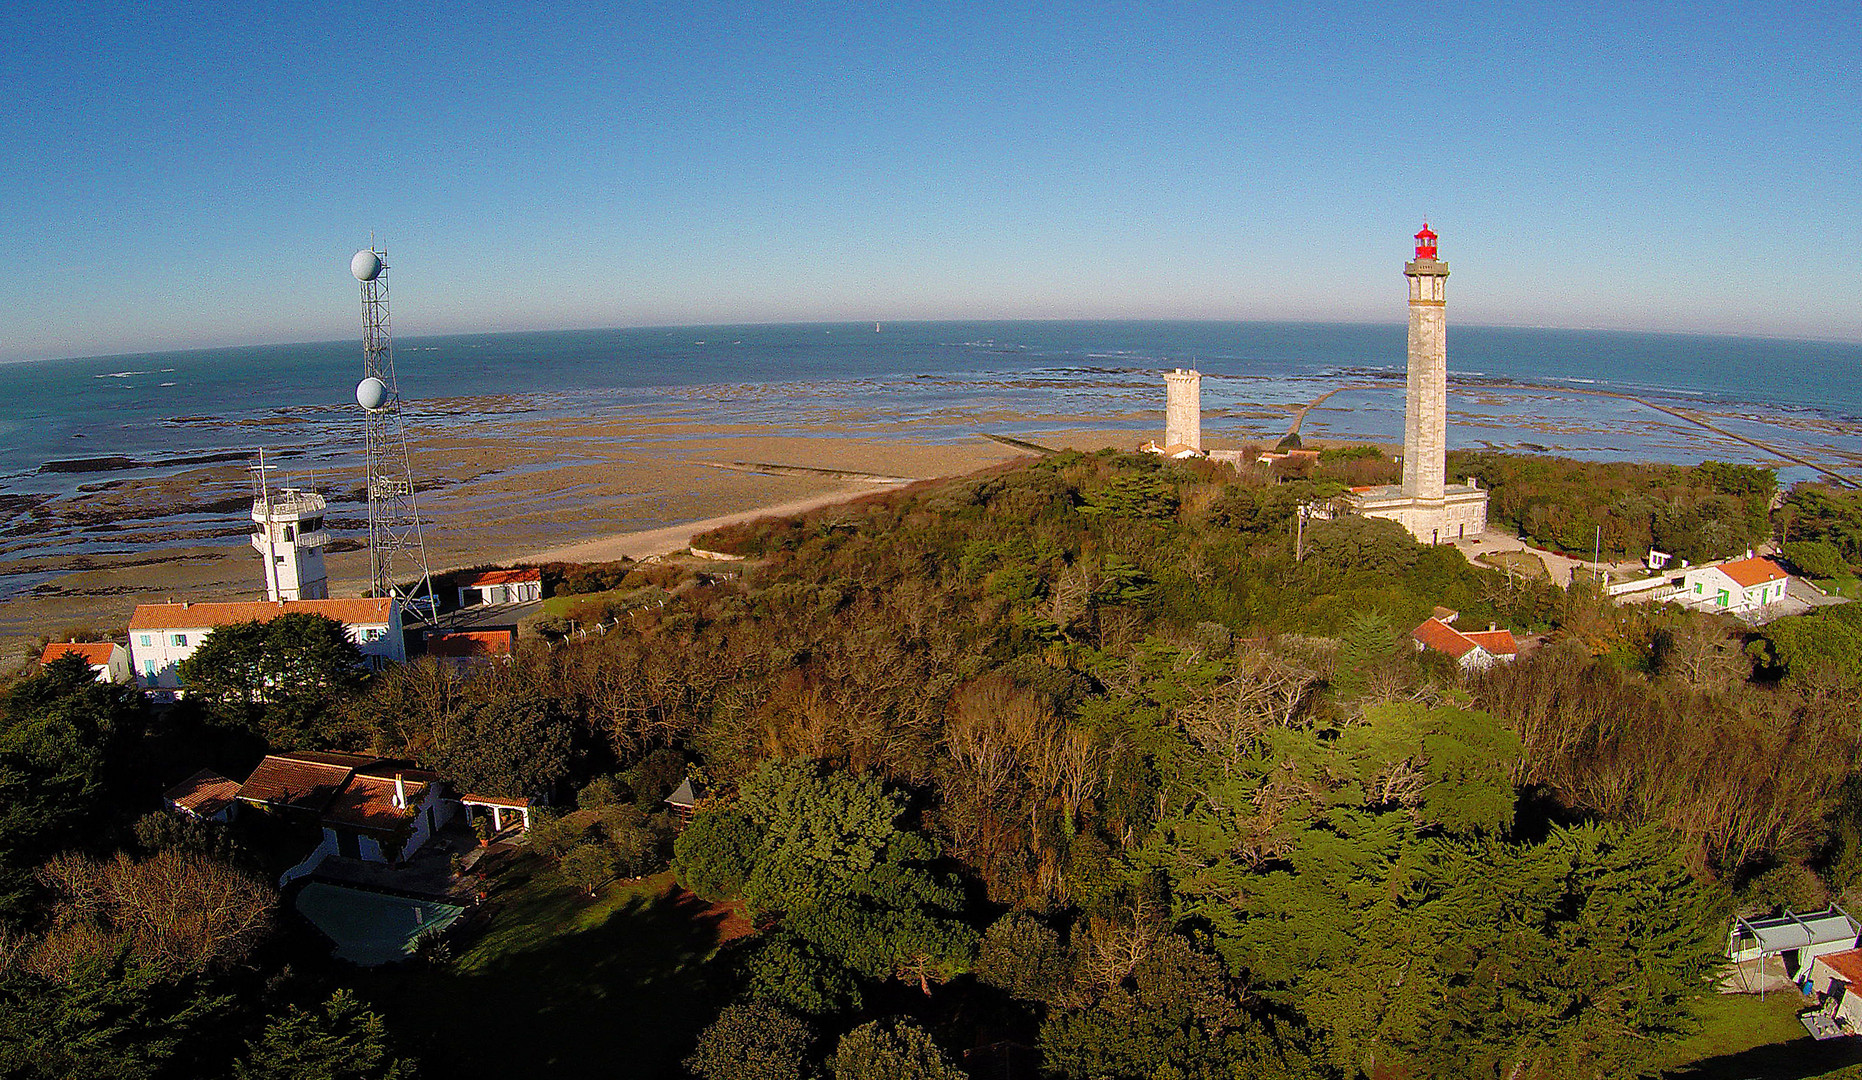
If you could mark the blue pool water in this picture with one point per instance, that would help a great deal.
(372, 928)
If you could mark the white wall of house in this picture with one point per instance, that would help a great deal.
(1807, 955)
(1825, 982)
(443, 811)
(514, 592)
(311, 861)
(1478, 659)
(1710, 587)
(117, 669)
(156, 654)
(369, 848)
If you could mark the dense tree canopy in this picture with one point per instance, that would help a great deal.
(280, 676)
(1090, 764)
(66, 743)
(1713, 510)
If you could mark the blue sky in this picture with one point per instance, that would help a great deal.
(184, 175)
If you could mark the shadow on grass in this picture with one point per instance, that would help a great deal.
(564, 986)
(1799, 1059)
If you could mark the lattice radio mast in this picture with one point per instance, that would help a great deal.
(395, 542)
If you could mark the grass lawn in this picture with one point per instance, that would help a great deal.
(560, 605)
(561, 984)
(1745, 1037)
(1523, 563)
(1844, 586)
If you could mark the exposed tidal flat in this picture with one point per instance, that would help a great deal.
(125, 477)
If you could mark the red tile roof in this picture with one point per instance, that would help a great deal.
(367, 802)
(1847, 965)
(205, 793)
(1750, 572)
(500, 577)
(470, 642)
(1497, 642)
(1442, 637)
(183, 616)
(95, 653)
(306, 780)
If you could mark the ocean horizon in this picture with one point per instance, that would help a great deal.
(146, 413)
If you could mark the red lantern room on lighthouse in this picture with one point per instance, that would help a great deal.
(1425, 243)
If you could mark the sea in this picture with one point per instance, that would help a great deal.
(69, 423)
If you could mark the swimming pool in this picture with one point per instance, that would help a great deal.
(372, 928)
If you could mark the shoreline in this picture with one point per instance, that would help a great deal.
(671, 539)
(522, 485)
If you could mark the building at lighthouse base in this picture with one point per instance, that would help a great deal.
(1460, 514)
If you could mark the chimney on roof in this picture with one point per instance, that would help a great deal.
(400, 791)
(1491, 627)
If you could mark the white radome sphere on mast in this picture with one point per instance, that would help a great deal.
(372, 394)
(366, 266)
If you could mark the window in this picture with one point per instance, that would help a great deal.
(145, 641)
(289, 533)
(278, 559)
(148, 667)
(180, 641)
(372, 635)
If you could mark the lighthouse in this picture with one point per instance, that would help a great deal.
(1433, 510)
(1425, 414)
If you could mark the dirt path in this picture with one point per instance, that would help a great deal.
(1300, 417)
(638, 545)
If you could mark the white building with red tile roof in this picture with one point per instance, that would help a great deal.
(369, 808)
(1740, 586)
(161, 636)
(206, 795)
(1836, 981)
(109, 661)
(500, 586)
(1474, 650)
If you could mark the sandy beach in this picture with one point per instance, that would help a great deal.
(513, 490)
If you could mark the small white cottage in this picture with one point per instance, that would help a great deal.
(1744, 585)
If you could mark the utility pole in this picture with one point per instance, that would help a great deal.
(1596, 556)
(1299, 544)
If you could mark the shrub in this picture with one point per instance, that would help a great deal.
(891, 1050)
(587, 866)
(755, 1041)
(1816, 558)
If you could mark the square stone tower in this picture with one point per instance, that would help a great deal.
(1183, 408)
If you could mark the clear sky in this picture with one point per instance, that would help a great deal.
(176, 175)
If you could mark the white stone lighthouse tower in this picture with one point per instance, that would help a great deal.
(1183, 408)
(1425, 416)
(1433, 510)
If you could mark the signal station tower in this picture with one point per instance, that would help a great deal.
(287, 530)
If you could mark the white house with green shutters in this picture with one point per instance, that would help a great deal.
(1745, 585)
